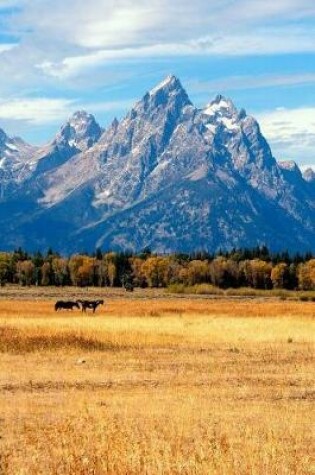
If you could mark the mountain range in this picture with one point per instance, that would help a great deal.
(168, 176)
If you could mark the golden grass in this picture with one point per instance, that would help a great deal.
(161, 386)
(164, 306)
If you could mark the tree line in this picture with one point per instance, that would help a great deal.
(257, 268)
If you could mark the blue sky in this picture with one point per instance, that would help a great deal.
(103, 55)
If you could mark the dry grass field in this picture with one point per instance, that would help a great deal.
(157, 386)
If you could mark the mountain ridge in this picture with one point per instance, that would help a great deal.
(211, 170)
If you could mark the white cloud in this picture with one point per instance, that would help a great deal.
(64, 45)
(253, 10)
(7, 47)
(35, 110)
(233, 83)
(39, 111)
(117, 24)
(68, 39)
(309, 165)
(291, 133)
(120, 23)
(259, 43)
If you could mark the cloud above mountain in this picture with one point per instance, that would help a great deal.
(67, 38)
(169, 176)
(107, 52)
(292, 130)
(108, 24)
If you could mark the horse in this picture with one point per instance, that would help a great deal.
(66, 304)
(129, 287)
(93, 304)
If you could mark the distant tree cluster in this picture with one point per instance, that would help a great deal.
(256, 268)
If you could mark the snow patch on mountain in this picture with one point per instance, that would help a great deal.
(81, 131)
(15, 162)
(168, 175)
(167, 83)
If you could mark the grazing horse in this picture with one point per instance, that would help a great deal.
(66, 304)
(93, 304)
(129, 287)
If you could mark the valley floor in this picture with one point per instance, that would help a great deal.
(157, 386)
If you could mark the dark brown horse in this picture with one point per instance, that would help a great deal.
(65, 305)
(129, 287)
(90, 304)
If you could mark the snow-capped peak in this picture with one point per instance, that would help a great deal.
(169, 83)
(221, 111)
(167, 95)
(221, 106)
(12, 145)
(309, 175)
(80, 120)
(167, 175)
(80, 131)
(169, 89)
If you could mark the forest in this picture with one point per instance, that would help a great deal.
(257, 268)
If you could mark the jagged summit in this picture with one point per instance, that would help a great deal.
(81, 131)
(81, 120)
(77, 135)
(221, 104)
(115, 123)
(170, 90)
(167, 94)
(16, 162)
(222, 100)
(291, 171)
(168, 175)
(309, 175)
(81, 116)
(289, 165)
(13, 146)
(170, 83)
(222, 113)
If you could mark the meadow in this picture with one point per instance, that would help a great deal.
(156, 384)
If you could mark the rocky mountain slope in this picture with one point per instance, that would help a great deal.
(16, 162)
(168, 176)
